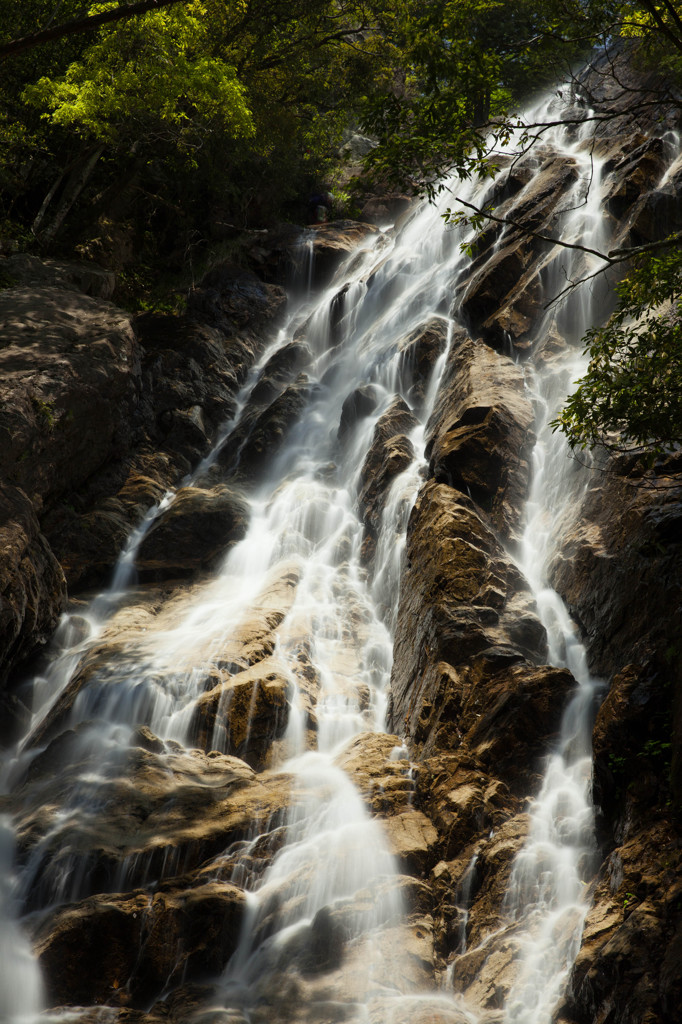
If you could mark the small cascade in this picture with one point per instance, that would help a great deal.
(21, 988)
(550, 876)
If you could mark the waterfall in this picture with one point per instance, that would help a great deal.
(322, 936)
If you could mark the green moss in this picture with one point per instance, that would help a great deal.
(44, 413)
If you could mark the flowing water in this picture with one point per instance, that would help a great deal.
(333, 868)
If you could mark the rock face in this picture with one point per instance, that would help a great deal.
(301, 259)
(32, 593)
(624, 543)
(480, 436)
(92, 952)
(101, 414)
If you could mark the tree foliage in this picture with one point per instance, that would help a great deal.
(146, 77)
(631, 397)
(466, 65)
(170, 116)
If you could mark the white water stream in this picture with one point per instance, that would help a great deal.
(335, 863)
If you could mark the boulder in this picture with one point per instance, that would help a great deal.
(243, 714)
(125, 950)
(188, 365)
(198, 528)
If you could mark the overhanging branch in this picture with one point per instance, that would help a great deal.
(79, 25)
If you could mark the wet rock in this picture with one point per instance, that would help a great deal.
(389, 454)
(243, 714)
(419, 352)
(503, 295)
(305, 258)
(124, 950)
(632, 98)
(32, 591)
(480, 436)
(462, 599)
(160, 813)
(199, 527)
(626, 541)
(279, 371)
(266, 434)
(333, 242)
(638, 169)
(359, 404)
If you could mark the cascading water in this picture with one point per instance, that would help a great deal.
(329, 893)
(551, 873)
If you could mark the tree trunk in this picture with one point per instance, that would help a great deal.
(78, 179)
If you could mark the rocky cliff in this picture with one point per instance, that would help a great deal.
(148, 801)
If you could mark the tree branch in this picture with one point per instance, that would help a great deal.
(508, 222)
(79, 25)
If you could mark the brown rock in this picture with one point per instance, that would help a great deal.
(503, 292)
(69, 379)
(357, 405)
(461, 599)
(243, 714)
(261, 438)
(332, 242)
(636, 171)
(389, 454)
(385, 209)
(199, 527)
(480, 435)
(419, 352)
(162, 812)
(125, 950)
(280, 370)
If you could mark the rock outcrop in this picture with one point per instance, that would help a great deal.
(101, 414)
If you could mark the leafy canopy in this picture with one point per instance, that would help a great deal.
(153, 73)
(631, 397)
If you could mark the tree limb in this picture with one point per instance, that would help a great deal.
(508, 222)
(79, 25)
